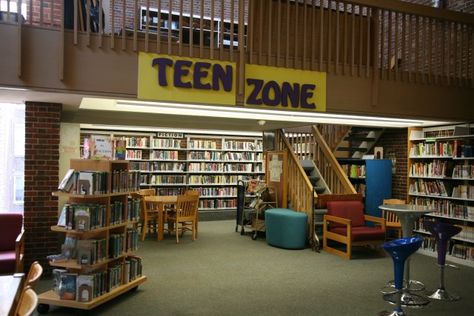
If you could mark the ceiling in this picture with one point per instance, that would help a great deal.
(109, 115)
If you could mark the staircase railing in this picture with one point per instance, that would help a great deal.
(333, 134)
(328, 166)
(300, 189)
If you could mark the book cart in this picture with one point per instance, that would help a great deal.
(111, 232)
(253, 198)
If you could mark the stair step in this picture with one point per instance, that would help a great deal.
(320, 190)
(352, 149)
(359, 138)
(313, 179)
(308, 169)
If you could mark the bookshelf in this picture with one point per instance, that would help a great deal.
(372, 178)
(441, 175)
(96, 263)
(211, 164)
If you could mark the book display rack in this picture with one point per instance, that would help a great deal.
(172, 162)
(96, 263)
(441, 175)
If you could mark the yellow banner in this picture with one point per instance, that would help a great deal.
(284, 89)
(187, 80)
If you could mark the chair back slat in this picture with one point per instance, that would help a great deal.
(36, 270)
(186, 206)
(391, 217)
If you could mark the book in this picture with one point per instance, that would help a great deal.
(101, 147)
(120, 149)
(57, 279)
(84, 252)
(82, 218)
(63, 215)
(86, 182)
(67, 182)
(85, 288)
(67, 286)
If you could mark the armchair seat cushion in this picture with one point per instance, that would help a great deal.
(361, 233)
(7, 261)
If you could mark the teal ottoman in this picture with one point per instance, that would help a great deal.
(286, 228)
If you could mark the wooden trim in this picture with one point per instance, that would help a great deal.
(61, 43)
(269, 34)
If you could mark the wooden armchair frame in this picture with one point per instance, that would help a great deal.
(392, 222)
(346, 239)
(20, 252)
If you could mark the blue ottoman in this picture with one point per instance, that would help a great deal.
(286, 228)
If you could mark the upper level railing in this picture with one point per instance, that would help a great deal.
(381, 40)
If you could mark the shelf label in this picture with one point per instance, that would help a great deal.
(285, 89)
(182, 79)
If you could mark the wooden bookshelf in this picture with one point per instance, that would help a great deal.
(440, 174)
(114, 236)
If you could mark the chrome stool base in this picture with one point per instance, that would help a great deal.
(414, 286)
(408, 299)
(442, 295)
(392, 313)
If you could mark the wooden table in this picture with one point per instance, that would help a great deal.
(10, 288)
(160, 202)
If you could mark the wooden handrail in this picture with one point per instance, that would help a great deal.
(335, 166)
(300, 190)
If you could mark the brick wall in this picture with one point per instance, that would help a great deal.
(395, 140)
(42, 121)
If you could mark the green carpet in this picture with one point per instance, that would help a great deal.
(224, 273)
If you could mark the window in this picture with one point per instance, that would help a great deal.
(12, 157)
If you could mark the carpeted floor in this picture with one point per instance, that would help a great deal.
(224, 273)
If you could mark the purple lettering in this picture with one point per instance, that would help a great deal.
(267, 88)
(252, 99)
(162, 64)
(200, 72)
(291, 93)
(307, 93)
(181, 69)
(223, 76)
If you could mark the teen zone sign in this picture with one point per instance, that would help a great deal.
(283, 88)
(187, 80)
(192, 80)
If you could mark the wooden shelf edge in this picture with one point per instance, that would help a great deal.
(51, 298)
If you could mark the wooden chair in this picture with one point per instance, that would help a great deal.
(27, 302)
(392, 222)
(194, 193)
(36, 270)
(185, 216)
(345, 223)
(12, 245)
(145, 215)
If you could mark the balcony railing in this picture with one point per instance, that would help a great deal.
(381, 40)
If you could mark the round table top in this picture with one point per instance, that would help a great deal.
(407, 208)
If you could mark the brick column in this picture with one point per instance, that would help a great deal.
(395, 140)
(42, 121)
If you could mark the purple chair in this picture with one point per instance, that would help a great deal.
(11, 243)
(442, 233)
(400, 250)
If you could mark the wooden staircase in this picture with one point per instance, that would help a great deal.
(357, 142)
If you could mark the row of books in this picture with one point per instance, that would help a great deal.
(116, 212)
(463, 171)
(136, 141)
(436, 168)
(205, 155)
(466, 233)
(435, 188)
(164, 179)
(243, 156)
(164, 155)
(242, 145)
(443, 149)
(91, 251)
(447, 208)
(457, 250)
(463, 191)
(125, 180)
(82, 216)
(462, 149)
(212, 191)
(116, 243)
(354, 171)
(202, 144)
(165, 143)
(166, 166)
(131, 243)
(215, 203)
(134, 209)
(216, 179)
(86, 287)
(84, 182)
(203, 166)
(133, 154)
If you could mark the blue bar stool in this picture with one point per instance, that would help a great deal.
(442, 233)
(400, 250)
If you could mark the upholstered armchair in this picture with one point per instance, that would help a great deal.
(345, 223)
(11, 243)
